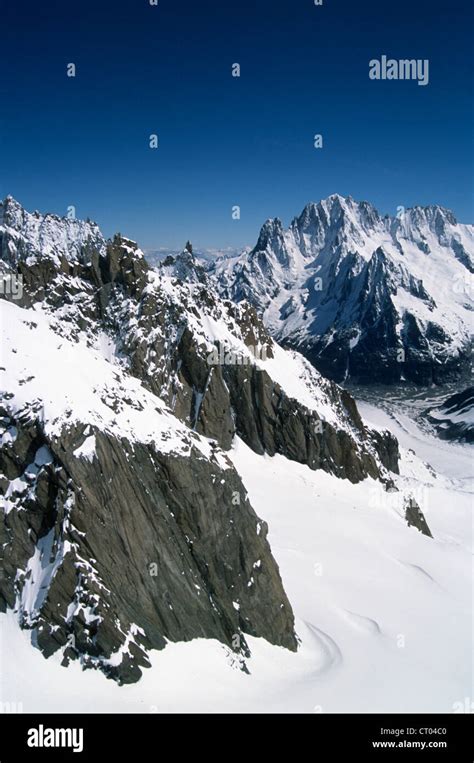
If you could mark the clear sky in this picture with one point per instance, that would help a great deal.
(226, 141)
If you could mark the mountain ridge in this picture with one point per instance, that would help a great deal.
(365, 298)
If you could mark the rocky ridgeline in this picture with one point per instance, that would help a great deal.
(155, 322)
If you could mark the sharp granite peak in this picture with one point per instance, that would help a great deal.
(126, 524)
(366, 298)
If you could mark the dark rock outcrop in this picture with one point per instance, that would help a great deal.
(415, 518)
(110, 556)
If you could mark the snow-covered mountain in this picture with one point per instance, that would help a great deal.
(125, 523)
(27, 237)
(365, 298)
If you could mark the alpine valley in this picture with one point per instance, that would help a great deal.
(240, 534)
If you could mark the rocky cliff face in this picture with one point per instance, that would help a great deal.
(125, 525)
(454, 418)
(111, 553)
(364, 298)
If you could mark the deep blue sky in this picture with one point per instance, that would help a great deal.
(227, 141)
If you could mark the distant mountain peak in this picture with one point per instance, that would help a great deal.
(399, 284)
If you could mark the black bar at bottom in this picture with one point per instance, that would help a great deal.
(135, 737)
